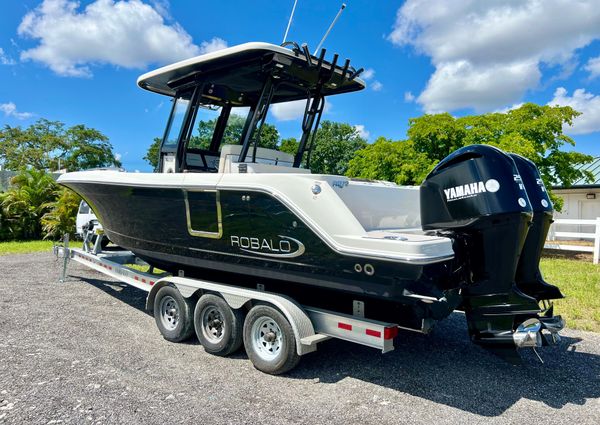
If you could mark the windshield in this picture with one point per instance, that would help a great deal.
(176, 122)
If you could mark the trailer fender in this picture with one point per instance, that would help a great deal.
(236, 298)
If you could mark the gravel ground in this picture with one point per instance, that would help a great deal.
(86, 352)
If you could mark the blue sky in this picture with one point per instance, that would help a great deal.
(78, 62)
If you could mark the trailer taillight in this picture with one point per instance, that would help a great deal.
(390, 332)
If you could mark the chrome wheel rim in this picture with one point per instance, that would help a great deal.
(267, 338)
(169, 312)
(213, 325)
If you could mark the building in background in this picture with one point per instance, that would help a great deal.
(581, 200)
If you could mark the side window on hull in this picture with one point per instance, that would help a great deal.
(203, 212)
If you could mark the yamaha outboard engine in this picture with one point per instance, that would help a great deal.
(529, 278)
(477, 197)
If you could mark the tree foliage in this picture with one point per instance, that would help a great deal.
(289, 145)
(46, 144)
(153, 152)
(269, 136)
(396, 162)
(61, 215)
(24, 204)
(533, 131)
(335, 145)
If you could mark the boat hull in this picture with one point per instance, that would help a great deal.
(249, 237)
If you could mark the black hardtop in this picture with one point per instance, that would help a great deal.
(236, 75)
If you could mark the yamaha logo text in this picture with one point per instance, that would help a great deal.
(470, 190)
(282, 246)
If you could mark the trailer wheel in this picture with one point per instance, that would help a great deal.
(173, 314)
(270, 341)
(218, 327)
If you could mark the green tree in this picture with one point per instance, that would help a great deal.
(533, 131)
(269, 136)
(24, 204)
(46, 145)
(392, 161)
(61, 215)
(152, 154)
(289, 145)
(335, 145)
(201, 138)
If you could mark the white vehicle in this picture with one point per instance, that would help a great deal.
(84, 216)
(87, 221)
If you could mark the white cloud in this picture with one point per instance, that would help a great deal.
(367, 74)
(10, 110)
(459, 84)
(488, 54)
(509, 108)
(288, 111)
(362, 131)
(593, 67)
(118, 156)
(409, 97)
(213, 45)
(586, 103)
(376, 86)
(130, 34)
(5, 59)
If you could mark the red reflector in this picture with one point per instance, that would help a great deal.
(344, 326)
(136, 278)
(143, 280)
(109, 267)
(151, 283)
(390, 333)
(372, 332)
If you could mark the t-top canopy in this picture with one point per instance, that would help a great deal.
(236, 75)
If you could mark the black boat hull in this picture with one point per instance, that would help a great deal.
(257, 242)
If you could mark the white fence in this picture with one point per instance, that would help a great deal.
(586, 229)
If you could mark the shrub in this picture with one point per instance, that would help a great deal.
(62, 214)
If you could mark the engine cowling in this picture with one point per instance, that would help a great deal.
(478, 194)
(528, 275)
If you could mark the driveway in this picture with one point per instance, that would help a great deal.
(85, 351)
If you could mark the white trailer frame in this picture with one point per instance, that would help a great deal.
(310, 325)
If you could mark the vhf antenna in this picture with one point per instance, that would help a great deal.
(289, 22)
(330, 26)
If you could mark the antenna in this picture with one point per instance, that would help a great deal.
(290, 21)
(330, 27)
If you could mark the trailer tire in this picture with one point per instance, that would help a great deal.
(173, 314)
(218, 327)
(269, 340)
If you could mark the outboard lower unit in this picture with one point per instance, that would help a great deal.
(477, 197)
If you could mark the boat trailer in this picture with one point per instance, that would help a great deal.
(307, 325)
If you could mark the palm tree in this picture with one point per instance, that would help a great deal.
(62, 214)
(24, 204)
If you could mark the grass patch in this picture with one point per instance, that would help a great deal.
(579, 281)
(24, 247)
(144, 268)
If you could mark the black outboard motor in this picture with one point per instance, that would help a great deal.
(528, 277)
(477, 194)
